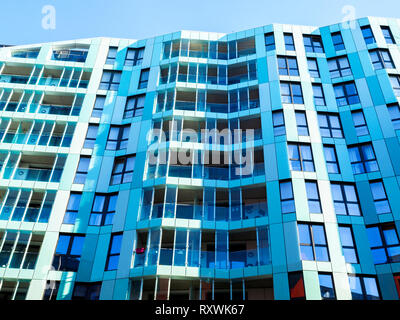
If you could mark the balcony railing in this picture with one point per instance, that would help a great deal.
(204, 259)
(207, 213)
(42, 175)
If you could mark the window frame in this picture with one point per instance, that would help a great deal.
(288, 70)
(352, 247)
(363, 161)
(136, 107)
(347, 96)
(360, 127)
(330, 127)
(384, 246)
(105, 211)
(72, 211)
(110, 85)
(110, 254)
(339, 71)
(381, 62)
(270, 46)
(312, 244)
(67, 254)
(81, 173)
(388, 35)
(334, 162)
(301, 159)
(144, 78)
(120, 139)
(123, 172)
(313, 72)
(285, 200)
(277, 127)
(292, 98)
(90, 141)
(316, 45)
(384, 199)
(137, 60)
(291, 45)
(369, 39)
(345, 201)
(338, 45)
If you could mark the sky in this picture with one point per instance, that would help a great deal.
(21, 21)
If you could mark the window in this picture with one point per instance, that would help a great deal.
(103, 209)
(313, 67)
(339, 67)
(287, 197)
(86, 291)
(394, 113)
(380, 198)
(26, 54)
(381, 59)
(345, 199)
(123, 170)
(368, 35)
(144, 78)
(300, 157)
(296, 286)
(134, 56)
(332, 165)
(384, 243)
(68, 252)
(348, 246)
(329, 125)
(51, 290)
(291, 93)
(314, 204)
(112, 54)
(134, 106)
(326, 286)
(313, 44)
(319, 97)
(118, 137)
(98, 106)
(387, 34)
(72, 208)
(363, 288)
(312, 241)
(278, 121)
(346, 94)
(287, 66)
(110, 80)
(301, 121)
(363, 159)
(269, 41)
(359, 123)
(337, 41)
(114, 252)
(289, 42)
(395, 81)
(91, 135)
(82, 170)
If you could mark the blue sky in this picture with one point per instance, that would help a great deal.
(21, 20)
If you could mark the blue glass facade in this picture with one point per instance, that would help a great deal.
(108, 189)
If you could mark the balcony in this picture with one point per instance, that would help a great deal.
(209, 100)
(208, 204)
(44, 133)
(34, 167)
(216, 250)
(70, 54)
